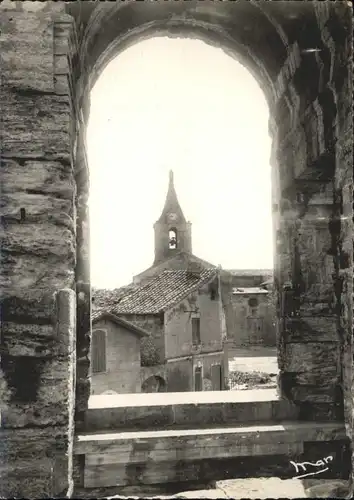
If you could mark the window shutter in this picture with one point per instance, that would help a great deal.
(196, 331)
(216, 377)
(98, 351)
(198, 379)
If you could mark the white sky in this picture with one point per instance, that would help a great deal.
(178, 104)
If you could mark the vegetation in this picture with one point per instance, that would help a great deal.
(148, 352)
(251, 379)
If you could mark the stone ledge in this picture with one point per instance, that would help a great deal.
(173, 398)
(166, 456)
(190, 411)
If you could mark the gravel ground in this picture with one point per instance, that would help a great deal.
(261, 361)
(243, 488)
(244, 360)
(263, 488)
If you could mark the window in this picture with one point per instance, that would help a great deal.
(98, 350)
(198, 381)
(254, 328)
(172, 235)
(216, 377)
(213, 289)
(196, 331)
(253, 302)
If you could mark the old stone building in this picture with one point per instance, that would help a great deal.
(250, 308)
(250, 317)
(173, 250)
(235, 311)
(181, 310)
(115, 354)
(192, 322)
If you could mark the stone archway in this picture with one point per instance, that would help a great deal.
(300, 53)
(154, 383)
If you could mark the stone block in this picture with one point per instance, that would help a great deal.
(41, 240)
(311, 329)
(44, 340)
(36, 125)
(27, 444)
(27, 43)
(27, 479)
(313, 394)
(38, 186)
(313, 363)
(35, 271)
(30, 340)
(41, 397)
(29, 306)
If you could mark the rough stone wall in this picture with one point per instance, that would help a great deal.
(313, 216)
(122, 373)
(38, 255)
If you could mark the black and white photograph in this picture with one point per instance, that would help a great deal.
(176, 249)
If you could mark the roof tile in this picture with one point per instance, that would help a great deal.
(162, 292)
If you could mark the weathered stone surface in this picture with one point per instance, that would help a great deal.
(29, 306)
(42, 397)
(31, 271)
(313, 394)
(25, 444)
(30, 340)
(27, 479)
(26, 43)
(314, 364)
(311, 329)
(48, 340)
(36, 125)
(40, 240)
(42, 188)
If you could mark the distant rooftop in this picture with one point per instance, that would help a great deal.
(248, 290)
(250, 272)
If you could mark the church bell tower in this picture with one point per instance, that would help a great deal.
(173, 233)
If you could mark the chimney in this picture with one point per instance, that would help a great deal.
(194, 269)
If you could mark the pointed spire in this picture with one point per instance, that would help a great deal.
(172, 205)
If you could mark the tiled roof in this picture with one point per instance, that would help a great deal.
(162, 292)
(103, 298)
(102, 314)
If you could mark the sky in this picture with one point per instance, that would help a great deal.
(177, 104)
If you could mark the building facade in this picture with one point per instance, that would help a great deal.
(186, 336)
(192, 310)
(115, 355)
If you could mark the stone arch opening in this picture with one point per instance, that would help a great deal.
(155, 383)
(305, 152)
(173, 239)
